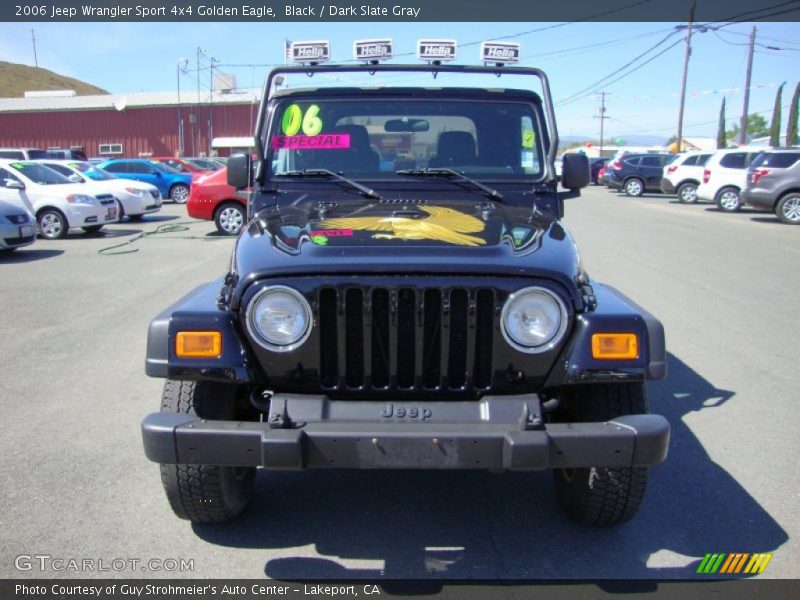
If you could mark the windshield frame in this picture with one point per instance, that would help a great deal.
(266, 109)
(393, 178)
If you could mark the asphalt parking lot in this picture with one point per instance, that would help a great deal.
(73, 389)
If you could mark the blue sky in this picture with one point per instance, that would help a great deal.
(130, 57)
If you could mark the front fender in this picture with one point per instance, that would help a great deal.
(615, 313)
(198, 311)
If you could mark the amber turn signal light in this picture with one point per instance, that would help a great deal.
(198, 344)
(615, 346)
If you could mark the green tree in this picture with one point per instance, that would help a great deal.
(756, 127)
(775, 127)
(791, 126)
(721, 141)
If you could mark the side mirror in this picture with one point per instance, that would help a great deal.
(239, 169)
(75, 178)
(13, 184)
(575, 173)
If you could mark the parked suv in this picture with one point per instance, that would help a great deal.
(424, 311)
(23, 153)
(684, 174)
(72, 153)
(773, 183)
(724, 177)
(636, 174)
(170, 183)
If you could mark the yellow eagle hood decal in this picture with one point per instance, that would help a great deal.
(442, 224)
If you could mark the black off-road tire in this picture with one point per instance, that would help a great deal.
(205, 493)
(602, 496)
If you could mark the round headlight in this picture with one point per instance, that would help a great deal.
(534, 320)
(279, 318)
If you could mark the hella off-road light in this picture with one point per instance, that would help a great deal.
(534, 320)
(279, 318)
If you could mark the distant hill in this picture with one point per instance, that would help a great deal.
(16, 79)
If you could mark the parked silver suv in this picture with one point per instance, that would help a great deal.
(773, 183)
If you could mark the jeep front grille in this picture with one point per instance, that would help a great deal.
(406, 338)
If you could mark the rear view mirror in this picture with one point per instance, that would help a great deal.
(13, 184)
(239, 169)
(575, 172)
(406, 125)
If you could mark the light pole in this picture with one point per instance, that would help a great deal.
(180, 66)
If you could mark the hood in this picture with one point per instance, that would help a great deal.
(15, 207)
(445, 236)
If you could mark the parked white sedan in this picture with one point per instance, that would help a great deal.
(136, 198)
(58, 204)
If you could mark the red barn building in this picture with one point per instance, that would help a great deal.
(132, 125)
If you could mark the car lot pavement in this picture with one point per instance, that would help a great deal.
(73, 391)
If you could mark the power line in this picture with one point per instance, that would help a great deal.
(604, 83)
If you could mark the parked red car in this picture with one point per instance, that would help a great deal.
(195, 167)
(212, 199)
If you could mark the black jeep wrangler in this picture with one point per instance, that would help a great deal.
(405, 296)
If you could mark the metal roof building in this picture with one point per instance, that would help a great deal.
(130, 125)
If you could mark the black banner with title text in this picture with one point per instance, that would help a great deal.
(395, 10)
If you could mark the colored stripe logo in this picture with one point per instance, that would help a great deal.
(734, 563)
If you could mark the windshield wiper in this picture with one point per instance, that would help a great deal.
(445, 172)
(368, 192)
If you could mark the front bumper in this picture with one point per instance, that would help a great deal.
(17, 236)
(496, 433)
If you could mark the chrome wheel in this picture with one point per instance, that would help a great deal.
(52, 225)
(230, 220)
(179, 194)
(789, 210)
(688, 194)
(634, 188)
(729, 200)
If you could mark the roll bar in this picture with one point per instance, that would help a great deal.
(434, 69)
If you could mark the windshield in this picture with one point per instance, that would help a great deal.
(91, 171)
(163, 168)
(202, 164)
(39, 173)
(375, 138)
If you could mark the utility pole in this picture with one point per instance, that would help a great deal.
(745, 108)
(197, 106)
(210, 104)
(35, 56)
(602, 116)
(686, 56)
